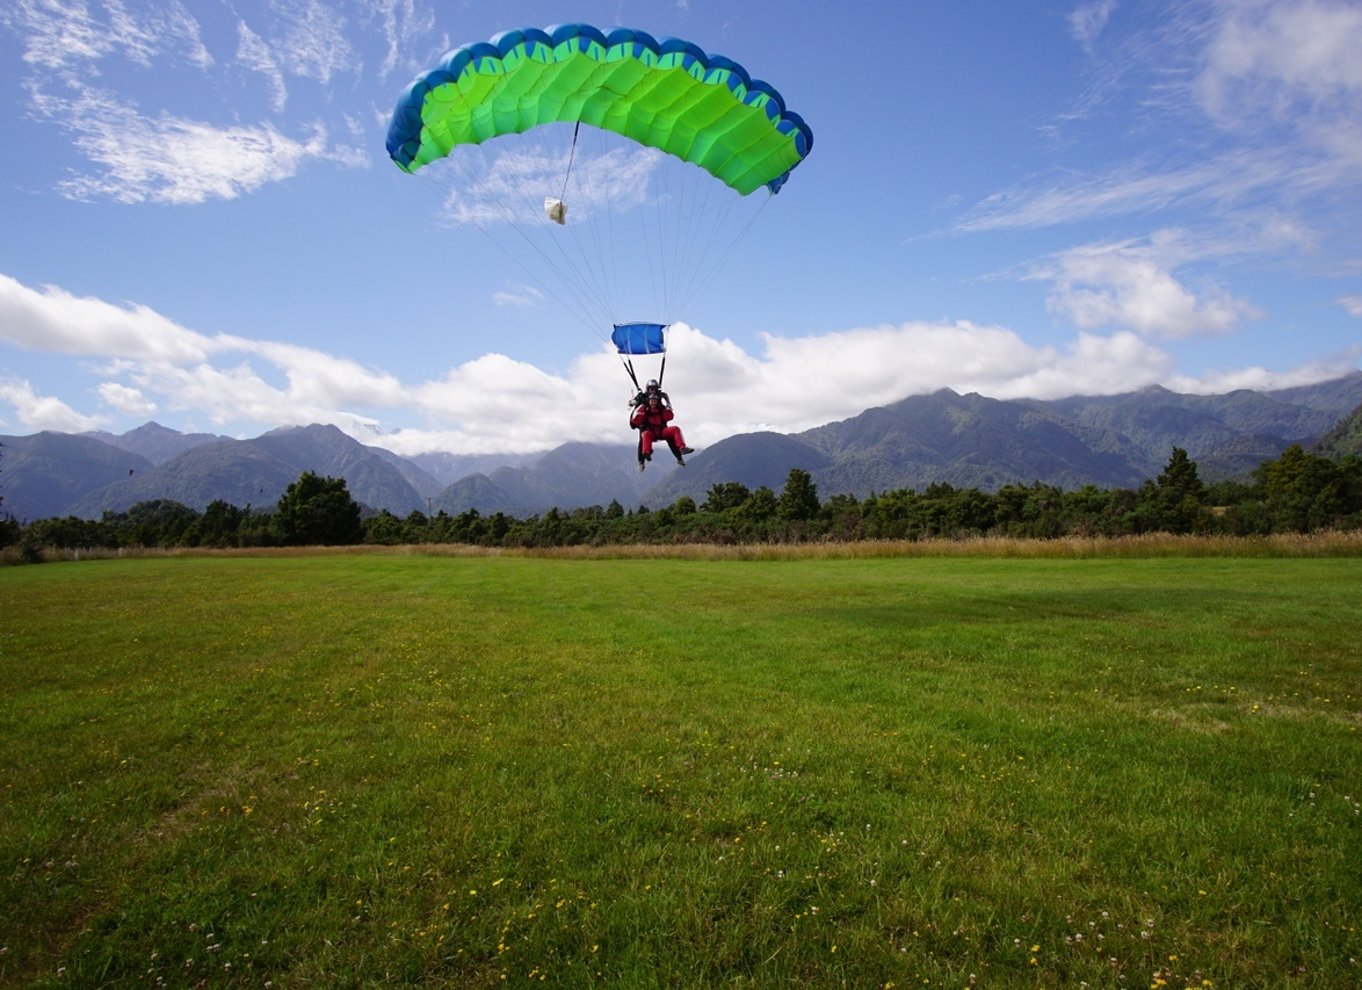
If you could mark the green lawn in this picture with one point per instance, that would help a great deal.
(362, 770)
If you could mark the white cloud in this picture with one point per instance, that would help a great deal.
(518, 295)
(319, 380)
(1272, 89)
(181, 24)
(129, 401)
(1087, 20)
(1093, 365)
(1226, 180)
(157, 155)
(1353, 304)
(497, 404)
(170, 159)
(1132, 286)
(799, 383)
(44, 412)
(186, 370)
(506, 183)
(1283, 59)
(61, 34)
(56, 321)
(236, 393)
(311, 41)
(1263, 379)
(403, 23)
(256, 55)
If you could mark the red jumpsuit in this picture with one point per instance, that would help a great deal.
(651, 419)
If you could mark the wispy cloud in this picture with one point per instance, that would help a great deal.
(253, 53)
(310, 42)
(1087, 20)
(506, 184)
(62, 34)
(518, 295)
(169, 159)
(145, 152)
(1227, 181)
(1274, 88)
(402, 22)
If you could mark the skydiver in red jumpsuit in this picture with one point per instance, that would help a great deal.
(650, 418)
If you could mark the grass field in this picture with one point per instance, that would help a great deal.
(406, 770)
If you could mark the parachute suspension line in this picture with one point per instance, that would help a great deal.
(577, 303)
(662, 257)
(709, 220)
(693, 202)
(599, 188)
(572, 153)
(587, 264)
(593, 259)
(575, 268)
(704, 274)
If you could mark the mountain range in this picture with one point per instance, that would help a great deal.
(963, 440)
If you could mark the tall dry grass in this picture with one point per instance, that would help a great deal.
(1328, 543)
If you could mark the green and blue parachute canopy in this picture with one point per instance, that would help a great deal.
(667, 94)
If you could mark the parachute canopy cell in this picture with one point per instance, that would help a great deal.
(667, 94)
(640, 338)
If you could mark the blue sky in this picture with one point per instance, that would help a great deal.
(201, 226)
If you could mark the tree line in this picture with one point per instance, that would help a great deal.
(1295, 493)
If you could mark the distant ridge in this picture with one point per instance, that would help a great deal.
(962, 440)
(155, 442)
(972, 441)
(1344, 440)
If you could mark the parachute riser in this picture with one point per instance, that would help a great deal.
(661, 373)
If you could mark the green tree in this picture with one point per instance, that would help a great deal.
(219, 526)
(10, 531)
(158, 522)
(799, 500)
(758, 506)
(1176, 499)
(416, 528)
(842, 514)
(9, 528)
(318, 511)
(1302, 491)
(384, 528)
(724, 496)
(71, 533)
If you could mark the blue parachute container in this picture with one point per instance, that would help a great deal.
(640, 338)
